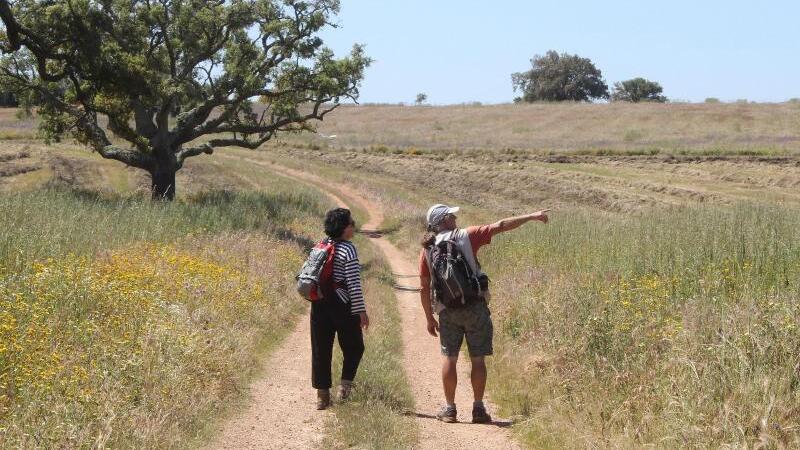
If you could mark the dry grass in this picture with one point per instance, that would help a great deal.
(571, 128)
(513, 182)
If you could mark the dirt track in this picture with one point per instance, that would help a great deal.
(285, 389)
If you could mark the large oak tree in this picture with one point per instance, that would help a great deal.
(172, 79)
(555, 77)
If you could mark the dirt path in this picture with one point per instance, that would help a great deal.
(281, 414)
(421, 357)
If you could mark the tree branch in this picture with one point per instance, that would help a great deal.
(235, 142)
(128, 156)
(194, 151)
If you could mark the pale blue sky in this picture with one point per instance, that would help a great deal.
(462, 51)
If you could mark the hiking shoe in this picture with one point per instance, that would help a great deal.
(448, 414)
(323, 399)
(479, 415)
(344, 391)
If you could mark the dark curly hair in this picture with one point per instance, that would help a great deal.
(336, 220)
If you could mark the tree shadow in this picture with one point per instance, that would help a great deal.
(286, 234)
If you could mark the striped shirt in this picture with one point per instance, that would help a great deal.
(347, 274)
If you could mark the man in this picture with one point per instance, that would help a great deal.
(472, 321)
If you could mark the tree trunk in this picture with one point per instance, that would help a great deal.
(163, 184)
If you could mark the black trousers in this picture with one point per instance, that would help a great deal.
(331, 317)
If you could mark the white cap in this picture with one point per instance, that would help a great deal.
(437, 212)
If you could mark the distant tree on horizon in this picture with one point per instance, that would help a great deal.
(638, 90)
(560, 77)
(421, 98)
(139, 62)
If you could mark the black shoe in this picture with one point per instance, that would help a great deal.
(448, 414)
(479, 415)
(323, 399)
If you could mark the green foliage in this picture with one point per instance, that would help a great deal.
(560, 77)
(138, 62)
(711, 100)
(421, 98)
(638, 90)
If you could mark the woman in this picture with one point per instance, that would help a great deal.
(341, 311)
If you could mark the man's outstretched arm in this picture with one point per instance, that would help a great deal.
(511, 223)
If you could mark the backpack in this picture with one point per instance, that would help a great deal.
(453, 281)
(316, 275)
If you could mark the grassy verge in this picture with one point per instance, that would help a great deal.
(125, 323)
(679, 328)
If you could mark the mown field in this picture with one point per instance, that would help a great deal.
(657, 308)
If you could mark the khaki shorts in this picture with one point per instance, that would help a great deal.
(474, 322)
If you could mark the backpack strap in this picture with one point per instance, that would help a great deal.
(427, 252)
(330, 286)
(465, 245)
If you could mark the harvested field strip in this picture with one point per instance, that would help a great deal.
(607, 184)
(5, 157)
(17, 169)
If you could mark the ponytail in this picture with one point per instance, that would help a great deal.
(429, 238)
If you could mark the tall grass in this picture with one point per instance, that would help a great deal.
(671, 328)
(54, 222)
(131, 324)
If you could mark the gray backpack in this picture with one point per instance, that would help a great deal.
(316, 275)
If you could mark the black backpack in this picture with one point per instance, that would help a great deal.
(453, 281)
